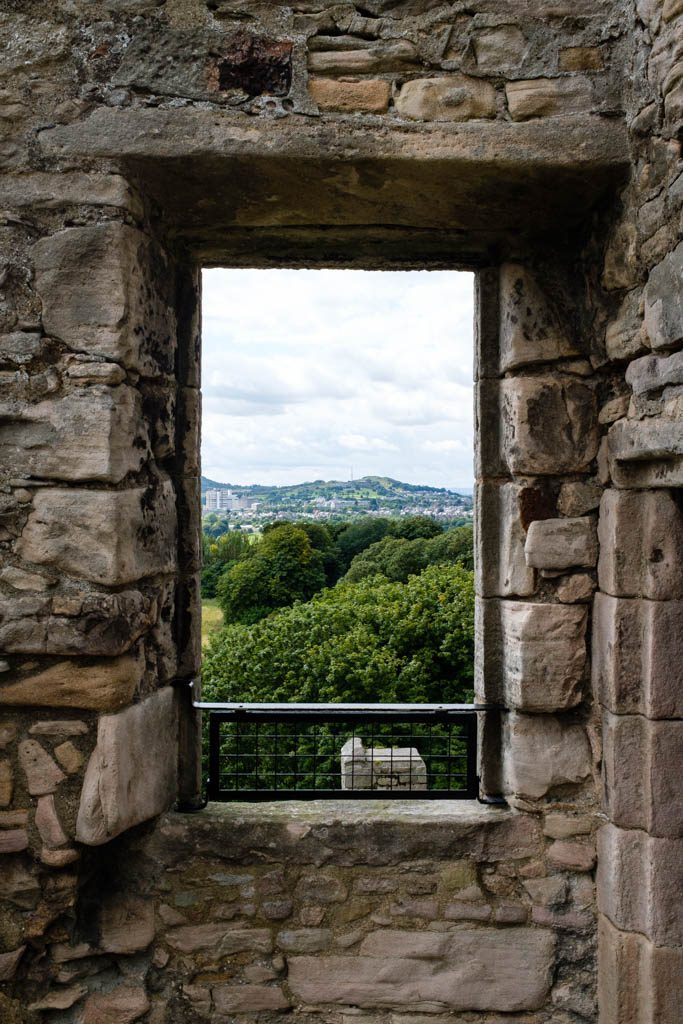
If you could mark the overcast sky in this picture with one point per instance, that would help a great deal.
(318, 374)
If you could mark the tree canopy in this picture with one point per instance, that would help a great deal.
(372, 641)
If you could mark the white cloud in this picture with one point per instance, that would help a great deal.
(308, 372)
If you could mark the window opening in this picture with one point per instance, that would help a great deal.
(337, 588)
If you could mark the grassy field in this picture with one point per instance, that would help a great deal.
(212, 620)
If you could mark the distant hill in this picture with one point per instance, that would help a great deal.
(367, 487)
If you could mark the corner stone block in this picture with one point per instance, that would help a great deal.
(500, 567)
(107, 290)
(131, 775)
(462, 979)
(96, 433)
(664, 302)
(641, 545)
(561, 543)
(113, 537)
(549, 425)
(637, 656)
(640, 883)
(642, 766)
(541, 752)
(638, 982)
(531, 330)
(532, 657)
(456, 98)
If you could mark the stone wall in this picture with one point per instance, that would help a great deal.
(537, 142)
(388, 914)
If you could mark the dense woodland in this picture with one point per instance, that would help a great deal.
(376, 609)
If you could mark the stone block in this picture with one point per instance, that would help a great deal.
(576, 589)
(549, 425)
(640, 883)
(652, 373)
(664, 302)
(641, 545)
(126, 924)
(121, 1005)
(571, 856)
(642, 763)
(499, 48)
(578, 497)
(637, 656)
(20, 347)
(624, 336)
(368, 96)
(9, 963)
(6, 783)
(531, 328)
(13, 840)
(68, 188)
(562, 543)
(646, 453)
(638, 982)
(48, 824)
(530, 656)
(386, 55)
(107, 290)
(461, 980)
(43, 775)
(102, 686)
(500, 566)
(229, 999)
(96, 433)
(304, 940)
(548, 97)
(456, 98)
(85, 624)
(114, 537)
(131, 774)
(541, 752)
(69, 758)
(581, 58)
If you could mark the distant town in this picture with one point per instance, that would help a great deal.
(250, 507)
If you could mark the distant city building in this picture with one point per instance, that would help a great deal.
(220, 501)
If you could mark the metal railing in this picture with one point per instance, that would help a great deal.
(337, 751)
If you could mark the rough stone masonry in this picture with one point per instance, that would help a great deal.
(537, 142)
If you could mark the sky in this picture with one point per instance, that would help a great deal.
(329, 374)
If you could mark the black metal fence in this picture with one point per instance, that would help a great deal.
(333, 751)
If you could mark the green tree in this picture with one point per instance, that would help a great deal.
(371, 641)
(285, 567)
(397, 558)
(413, 527)
(218, 555)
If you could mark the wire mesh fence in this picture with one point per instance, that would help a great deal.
(268, 752)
